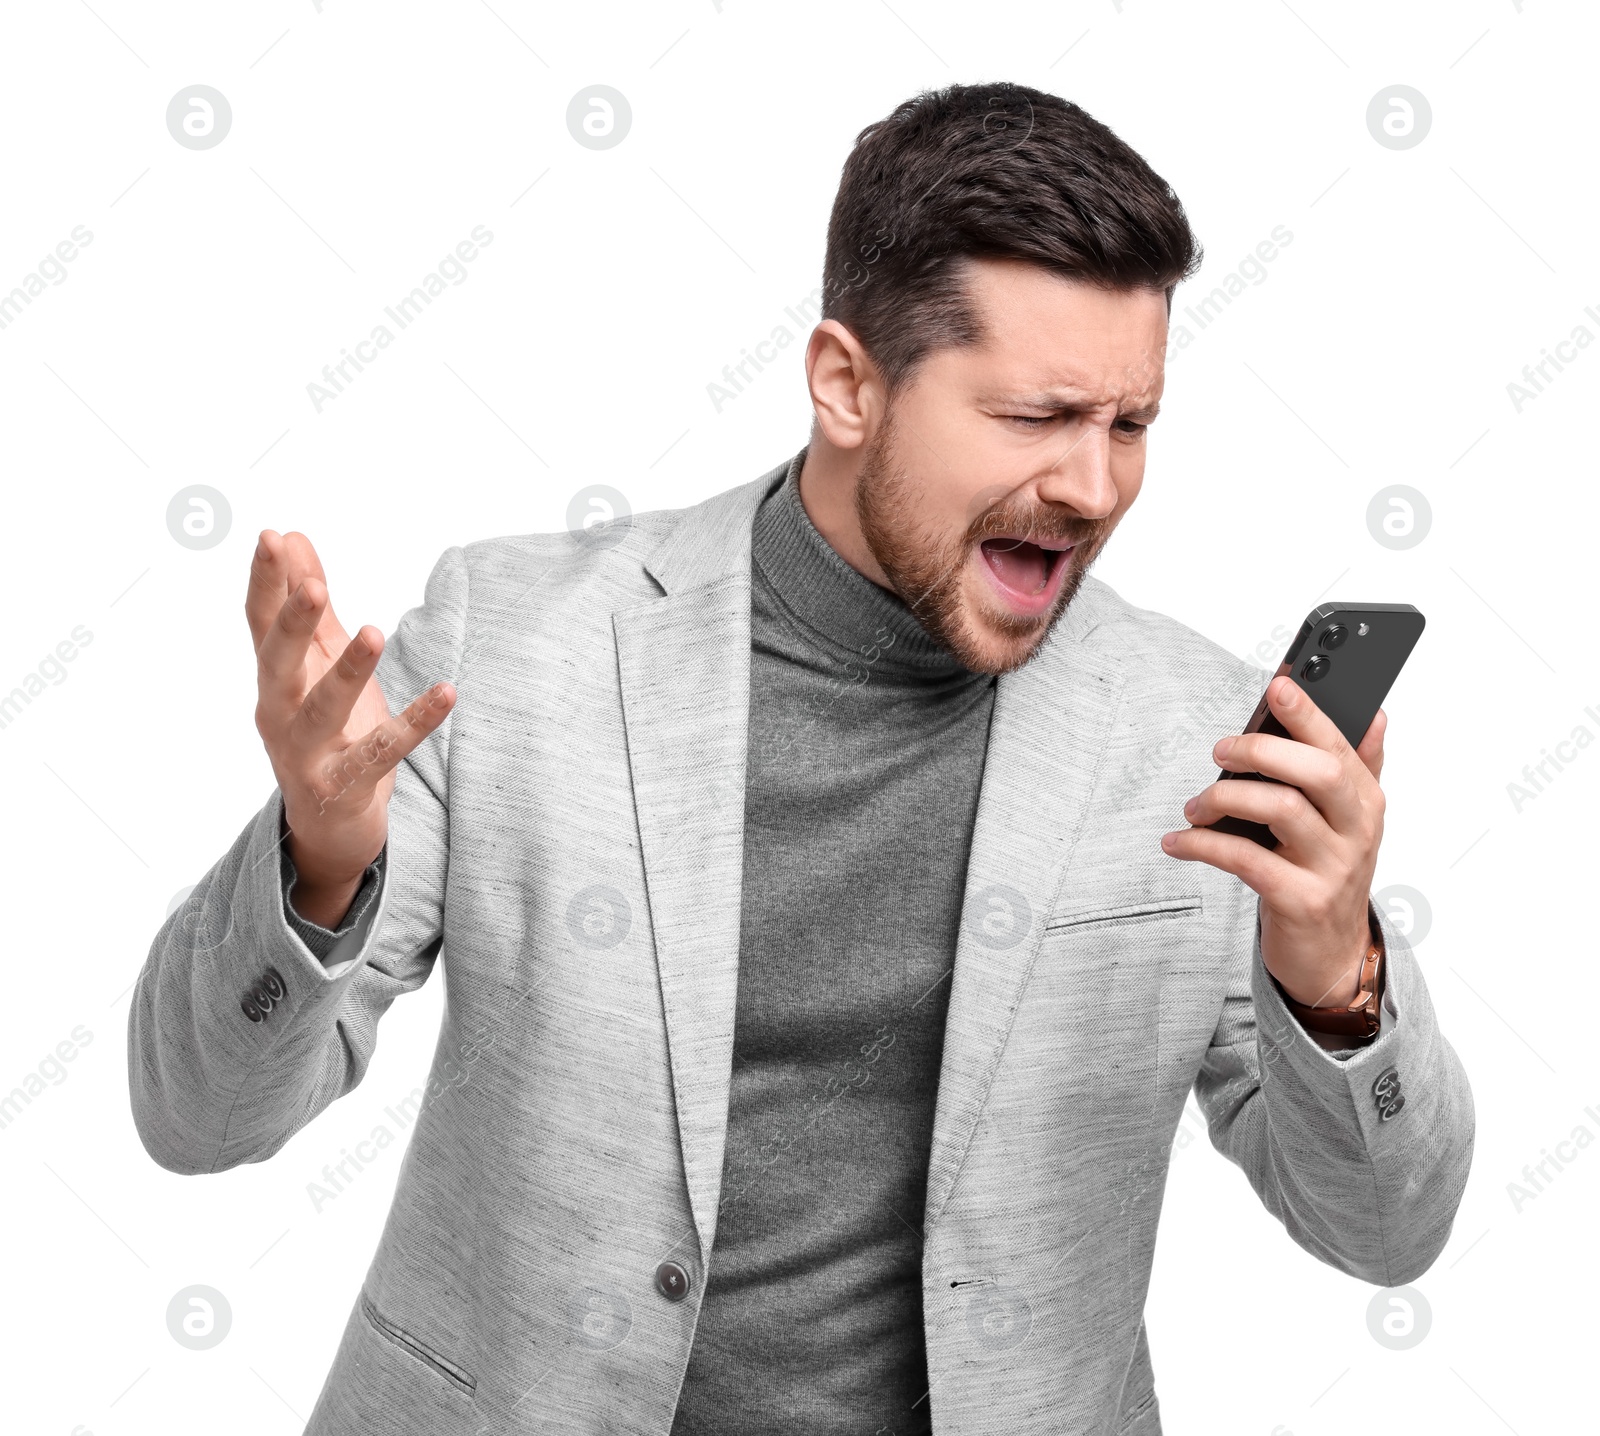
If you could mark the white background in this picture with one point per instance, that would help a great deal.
(368, 140)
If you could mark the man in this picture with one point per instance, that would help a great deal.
(827, 961)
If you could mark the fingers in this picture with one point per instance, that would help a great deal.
(1300, 716)
(1287, 811)
(288, 609)
(1319, 776)
(302, 562)
(1315, 757)
(281, 656)
(359, 767)
(327, 706)
(1371, 750)
(1264, 871)
(280, 563)
(267, 589)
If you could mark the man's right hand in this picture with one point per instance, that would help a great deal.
(326, 725)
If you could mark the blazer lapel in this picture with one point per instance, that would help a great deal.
(684, 667)
(1052, 719)
(683, 662)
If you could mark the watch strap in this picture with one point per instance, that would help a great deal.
(1361, 1017)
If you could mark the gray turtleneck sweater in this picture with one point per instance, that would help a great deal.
(866, 749)
(866, 752)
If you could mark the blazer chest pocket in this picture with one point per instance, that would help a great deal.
(439, 1363)
(1152, 910)
(1094, 996)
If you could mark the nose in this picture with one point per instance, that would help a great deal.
(1079, 476)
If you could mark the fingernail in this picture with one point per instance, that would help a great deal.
(302, 599)
(1168, 840)
(1190, 807)
(1286, 696)
(1223, 748)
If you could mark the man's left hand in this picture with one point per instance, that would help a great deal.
(1327, 814)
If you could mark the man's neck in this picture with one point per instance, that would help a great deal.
(828, 491)
(838, 605)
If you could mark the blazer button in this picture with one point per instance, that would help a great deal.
(672, 1281)
(273, 984)
(251, 1011)
(1386, 1095)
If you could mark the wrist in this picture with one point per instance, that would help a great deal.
(316, 893)
(1350, 1014)
(325, 905)
(317, 871)
(1348, 988)
(1341, 992)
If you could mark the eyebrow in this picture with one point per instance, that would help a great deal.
(1064, 399)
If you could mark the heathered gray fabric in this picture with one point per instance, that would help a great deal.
(861, 786)
(571, 841)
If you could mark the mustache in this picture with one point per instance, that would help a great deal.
(1054, 524)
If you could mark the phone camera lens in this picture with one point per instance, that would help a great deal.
(1315, 667)
(1333, 636)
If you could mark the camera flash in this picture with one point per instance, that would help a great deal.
(1361, 630)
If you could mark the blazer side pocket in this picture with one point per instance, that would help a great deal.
(442, 1364)
(1155, 910)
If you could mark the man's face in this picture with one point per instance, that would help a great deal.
(997, 475)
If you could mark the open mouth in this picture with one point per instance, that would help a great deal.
(1027, 574)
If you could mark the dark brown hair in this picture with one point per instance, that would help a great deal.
(1000, 171)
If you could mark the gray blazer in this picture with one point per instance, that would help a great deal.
(571, 837)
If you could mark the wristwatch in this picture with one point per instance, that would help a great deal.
(1360, 1018)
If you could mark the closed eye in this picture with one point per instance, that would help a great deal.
(1130, 427)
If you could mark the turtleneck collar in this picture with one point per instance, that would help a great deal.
(842, 610)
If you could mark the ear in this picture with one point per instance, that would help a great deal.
(847, 391)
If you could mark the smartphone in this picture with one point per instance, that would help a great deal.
(1345, 657)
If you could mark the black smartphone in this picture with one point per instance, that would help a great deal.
(1346, 657)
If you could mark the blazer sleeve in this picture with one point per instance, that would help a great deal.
(1362, 1154)
(239, 1033)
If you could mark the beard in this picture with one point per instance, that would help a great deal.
(928, 570)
